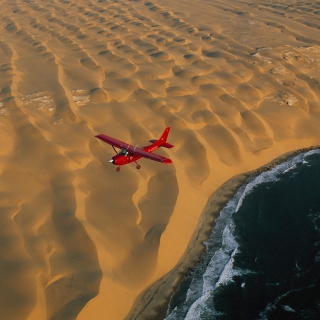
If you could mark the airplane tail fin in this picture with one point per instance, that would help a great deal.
(162, 141)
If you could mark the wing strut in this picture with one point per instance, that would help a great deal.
(114, 149)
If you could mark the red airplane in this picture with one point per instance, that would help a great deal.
(129, 153)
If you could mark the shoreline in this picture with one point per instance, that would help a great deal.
(237, 82)
(153, 302)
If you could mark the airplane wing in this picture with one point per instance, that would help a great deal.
(148, 155)
(133, 150)
(113, 142)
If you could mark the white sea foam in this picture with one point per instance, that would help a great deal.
(290, 168)
(229, 243)
(309, 153)
(228, 272)
(195, 289)
(214, 269)
(269, 176)
(202, 309)
(198, 307)
(288, 308)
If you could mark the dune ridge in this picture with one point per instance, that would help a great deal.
(237, 82)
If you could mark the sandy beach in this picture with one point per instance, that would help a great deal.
(238, 83)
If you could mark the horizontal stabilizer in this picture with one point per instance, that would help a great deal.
(165, 145)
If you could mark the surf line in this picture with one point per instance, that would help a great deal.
(157, 296)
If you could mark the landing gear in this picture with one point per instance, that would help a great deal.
(137, 165)
(118, 169)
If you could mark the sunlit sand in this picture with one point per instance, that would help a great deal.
(237, 82)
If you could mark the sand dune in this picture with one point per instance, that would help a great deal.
(237, 81)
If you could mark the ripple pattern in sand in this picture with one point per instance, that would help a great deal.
(232, 84)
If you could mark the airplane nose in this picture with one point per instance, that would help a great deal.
(111, 161)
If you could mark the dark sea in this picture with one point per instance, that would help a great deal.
(263, 256)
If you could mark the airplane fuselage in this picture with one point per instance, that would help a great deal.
(120, 159)
(125, 157)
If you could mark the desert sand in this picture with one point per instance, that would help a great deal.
(237, 82)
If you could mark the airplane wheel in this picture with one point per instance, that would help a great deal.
(118, 169)
(138, 166)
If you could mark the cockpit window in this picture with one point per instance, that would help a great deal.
(123, 151)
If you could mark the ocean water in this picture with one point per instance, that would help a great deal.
(263, 256)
